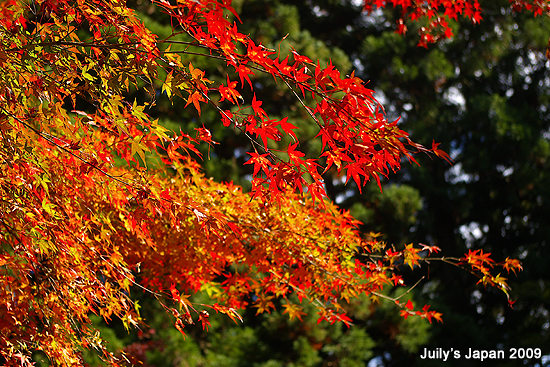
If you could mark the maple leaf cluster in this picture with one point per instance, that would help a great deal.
(433, 15)
(84, 220)
(355, 135)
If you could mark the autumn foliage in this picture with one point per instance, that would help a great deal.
(84, 220)
(435, 16)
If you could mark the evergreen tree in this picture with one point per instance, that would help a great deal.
(484, 94)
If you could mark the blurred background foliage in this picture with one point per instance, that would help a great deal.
(484, 94)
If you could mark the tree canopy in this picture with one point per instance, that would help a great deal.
(99, 197)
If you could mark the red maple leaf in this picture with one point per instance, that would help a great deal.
(287, 127)
(440, 153)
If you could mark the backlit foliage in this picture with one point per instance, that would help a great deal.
(435, 15)
(84, 219)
